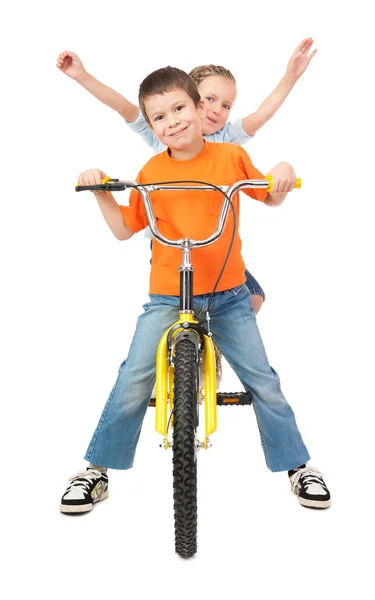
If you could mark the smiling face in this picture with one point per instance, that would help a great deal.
(218, 95)
(176, 122)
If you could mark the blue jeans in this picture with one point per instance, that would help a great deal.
(235, 331)
(254, 286)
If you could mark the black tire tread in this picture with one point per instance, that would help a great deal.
(184, 450)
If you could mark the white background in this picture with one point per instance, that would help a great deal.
(71, 294)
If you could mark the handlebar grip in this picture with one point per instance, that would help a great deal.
(107, 185)
(84, 188)
(101, 187)
(270, 185)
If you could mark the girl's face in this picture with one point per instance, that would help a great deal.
(218, 95)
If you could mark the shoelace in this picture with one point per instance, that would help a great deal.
(83, 486)
(310, 476)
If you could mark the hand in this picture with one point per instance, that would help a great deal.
(283, 177)
(92, 177)
(70, 64)
(300, 59)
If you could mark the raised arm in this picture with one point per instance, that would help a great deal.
(110, 209)
(70, 64)
(297, 65)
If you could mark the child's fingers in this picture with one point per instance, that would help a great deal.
(86, 178)
(67, 54)
(91, 177)
(98, 175)
(301, 45)
(308, 45)
(61, 59)
(82, 179)
(283, 185)
(308, 42)
(305, 45)
(312, 54)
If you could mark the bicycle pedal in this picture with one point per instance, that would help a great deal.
(234, 399)
(225, 399)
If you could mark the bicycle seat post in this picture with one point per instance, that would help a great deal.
(186, 278)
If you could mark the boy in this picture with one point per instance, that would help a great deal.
(172, 106)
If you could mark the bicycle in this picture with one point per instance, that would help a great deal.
(184, 345)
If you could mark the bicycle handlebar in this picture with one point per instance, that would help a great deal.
(116, 185)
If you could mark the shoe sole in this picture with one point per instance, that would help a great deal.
(82, 508)
(315, 503)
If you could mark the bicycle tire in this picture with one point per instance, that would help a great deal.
(184, 447)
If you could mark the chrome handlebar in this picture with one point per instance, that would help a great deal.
(144, 190)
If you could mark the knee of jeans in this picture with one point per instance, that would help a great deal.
(141, 387)
(135, 400)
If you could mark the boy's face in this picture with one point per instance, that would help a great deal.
(175, 119)
(218, 95)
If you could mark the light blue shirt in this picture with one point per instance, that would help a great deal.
(232, 133)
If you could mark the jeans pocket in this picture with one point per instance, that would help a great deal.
(236, 290)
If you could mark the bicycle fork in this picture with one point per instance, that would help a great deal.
(186, 325)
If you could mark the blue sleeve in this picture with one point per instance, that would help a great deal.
(234, 133)
(140, 126)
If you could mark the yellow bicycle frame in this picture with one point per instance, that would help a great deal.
(164, 380)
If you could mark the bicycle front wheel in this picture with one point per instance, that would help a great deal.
(185, 421)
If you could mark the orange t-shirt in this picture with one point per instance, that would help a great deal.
(194, 214)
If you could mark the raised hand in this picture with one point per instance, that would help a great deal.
(300, 58)
(70, 64)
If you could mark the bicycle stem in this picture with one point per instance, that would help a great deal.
(186, 270)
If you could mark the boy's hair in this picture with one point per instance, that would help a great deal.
(200, 73)
(166, 80)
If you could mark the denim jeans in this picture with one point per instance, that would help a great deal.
(235, 331)
(254, 286)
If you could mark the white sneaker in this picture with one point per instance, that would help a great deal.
(84, 489)
(308, 484)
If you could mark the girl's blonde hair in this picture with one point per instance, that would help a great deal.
(200, 73)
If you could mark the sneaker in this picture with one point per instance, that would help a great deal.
(310, 488)
(84, 489)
